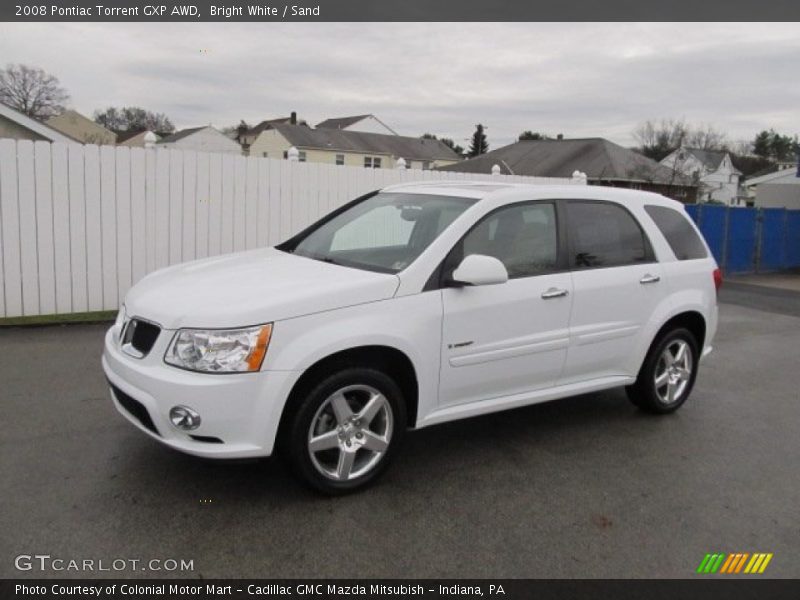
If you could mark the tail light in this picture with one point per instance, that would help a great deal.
(717, 279)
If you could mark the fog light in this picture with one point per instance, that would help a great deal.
(184, 418)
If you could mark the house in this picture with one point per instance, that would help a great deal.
(82, 129)
(714, 171)
(19, 126)
(246, 138)
(354, 148)
(780, 189)
(785, 173)
(363, 123)
(603, 162)
(137, 139)
(202, 139)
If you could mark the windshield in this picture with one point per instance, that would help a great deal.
(385, 232)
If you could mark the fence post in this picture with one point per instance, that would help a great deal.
(726, 239)
(495, 170)
(757, 252)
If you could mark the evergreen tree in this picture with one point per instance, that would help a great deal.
(478, 145)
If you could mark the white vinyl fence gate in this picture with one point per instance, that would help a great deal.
(80, 224)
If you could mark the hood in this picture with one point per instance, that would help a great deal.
(249, 288)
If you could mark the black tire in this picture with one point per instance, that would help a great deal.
(316, 408)
(650, 397)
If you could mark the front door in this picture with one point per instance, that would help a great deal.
(507, 338)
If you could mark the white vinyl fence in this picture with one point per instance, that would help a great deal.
(80, 224)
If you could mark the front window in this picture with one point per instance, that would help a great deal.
(340, 159)
(385, 232)
(367, 162)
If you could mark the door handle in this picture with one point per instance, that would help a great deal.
(650, 279)
(554, 293)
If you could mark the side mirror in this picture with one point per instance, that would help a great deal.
(479, 269)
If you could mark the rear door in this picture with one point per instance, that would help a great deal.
(617, 285)
(507, 338)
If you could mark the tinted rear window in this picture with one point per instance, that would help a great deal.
(603, 234)
(680, 234)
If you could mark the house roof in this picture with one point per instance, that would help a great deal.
(710, 158)
(599, 158)
(341, 122)
(301, 136)
(267, 125)
(74, 117)
(346, 122)
(179, 135)
(780, 175)
(33, 125)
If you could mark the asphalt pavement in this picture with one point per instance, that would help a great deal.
(585, 487)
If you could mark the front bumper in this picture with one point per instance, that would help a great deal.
(242, 409)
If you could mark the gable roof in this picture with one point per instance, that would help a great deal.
(347, 122)
(710, 158)
(179, 135)
(341, 122)
(33, 125)
(301, 136)
(73, 118)
(269, 123)
(780, 175)
(599, 158)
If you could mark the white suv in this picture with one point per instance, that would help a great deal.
(412, 306)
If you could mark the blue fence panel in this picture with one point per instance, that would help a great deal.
(741, 249)
(771, 255)
(791, 239)
(713, 225)
(694, 211)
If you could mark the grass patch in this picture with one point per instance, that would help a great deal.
(83, 317)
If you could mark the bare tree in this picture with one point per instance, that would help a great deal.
(133, 118)
(32, 91)
(658, 139)
(705, 137)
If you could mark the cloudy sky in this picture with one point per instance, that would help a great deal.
(579, 79)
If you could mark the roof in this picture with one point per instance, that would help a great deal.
(341, 122)
(346, 122)
(599, 158)
(73, 117)
(269, 123)
(501, 192)
(775, 176)
(33, 125)
(179, 135)
(301, 136)
(710, 158)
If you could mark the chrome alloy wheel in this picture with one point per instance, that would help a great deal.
(673, 372)
(350, 432)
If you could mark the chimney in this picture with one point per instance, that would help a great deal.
(560, 136)
(293, 118)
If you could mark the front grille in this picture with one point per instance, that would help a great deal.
(141, 335)
(135, 408)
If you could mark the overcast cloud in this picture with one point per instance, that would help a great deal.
(579, 79)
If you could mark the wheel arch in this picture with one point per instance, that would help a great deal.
(393, 362)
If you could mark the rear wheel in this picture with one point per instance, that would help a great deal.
(668, 373)
(346, 430)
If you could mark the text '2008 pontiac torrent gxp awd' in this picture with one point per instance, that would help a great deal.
(411, 306)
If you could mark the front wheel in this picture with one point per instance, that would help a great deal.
(668, 373)
(346, 430)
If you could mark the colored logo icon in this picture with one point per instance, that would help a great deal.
(736, 563)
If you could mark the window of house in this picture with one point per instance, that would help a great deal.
(285, 154)
(679, 233)
(367, 162)
(340, 159)
(408, 163)
(521, 236)
(376, 162)
(426, 165)
(301, 156)
(265, 154)
(603, 234)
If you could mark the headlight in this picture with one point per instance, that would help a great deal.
(220, 350)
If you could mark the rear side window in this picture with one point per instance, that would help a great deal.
(680, 234)
(603, 234)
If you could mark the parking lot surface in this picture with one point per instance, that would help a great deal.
(585, 487)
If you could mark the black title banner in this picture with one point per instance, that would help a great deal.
(314, 589)
(403, 10)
